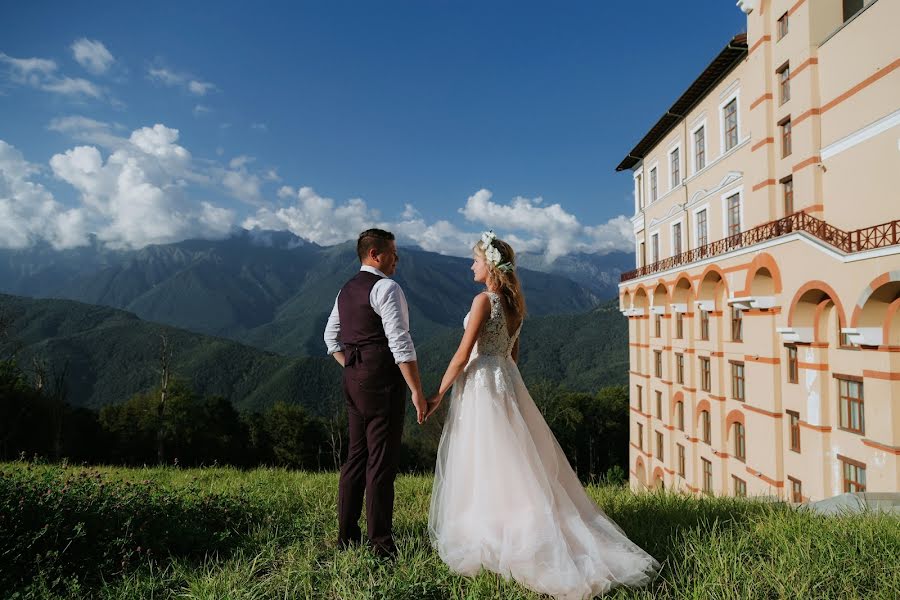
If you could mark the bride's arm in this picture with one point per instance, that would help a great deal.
(481, 310)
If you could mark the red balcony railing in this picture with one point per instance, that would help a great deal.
(867, 238)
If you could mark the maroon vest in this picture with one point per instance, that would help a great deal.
(366, 348)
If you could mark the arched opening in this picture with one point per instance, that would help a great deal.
(762, 284)
(658, 480)
(640, 472)
(877, 321)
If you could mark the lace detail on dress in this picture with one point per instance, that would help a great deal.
(494, 339)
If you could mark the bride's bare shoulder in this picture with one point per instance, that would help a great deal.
(481, 303)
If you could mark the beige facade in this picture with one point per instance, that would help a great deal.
(764, 315)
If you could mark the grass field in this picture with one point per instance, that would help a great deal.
(72, 532)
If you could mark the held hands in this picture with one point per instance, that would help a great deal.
(433, 403)
(418, 400)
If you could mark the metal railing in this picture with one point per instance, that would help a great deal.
(867, 238)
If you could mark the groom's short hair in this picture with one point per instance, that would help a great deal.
(372, 238)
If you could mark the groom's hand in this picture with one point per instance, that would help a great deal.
(418, 400)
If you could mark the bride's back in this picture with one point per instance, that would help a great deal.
(496, 339)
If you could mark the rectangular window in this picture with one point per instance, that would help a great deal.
(792, 365)
(734, 214)
(854, 475)
(654, 247)
(639, 191)
(737, 324)
(640, 398)
(659, 405)
(707, 476)
(740, 487)
(679, 325)
(852, 413)
(787, 192)
(851, 7)
(702, 232)
(785, 137)
(783, 26)
(681, 460)
(729, 118)
(705, 375)
(659, 445)
(796, 490)
(674, 163)
(704, 324)
(784, 82)
(700, 149)
(679, 415)
(794, 424)
(653, 185)
(706, 423)
(740, 442)
(676, 239)
(640, 436)
(643, 254)
(657, 362)
(679, 368)
(737, 380)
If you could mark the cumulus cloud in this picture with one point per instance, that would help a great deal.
(185, 81)
(28, 211)
(92, 55)
(316, 218)
(137, 195)
(41, 73)
(533, 225)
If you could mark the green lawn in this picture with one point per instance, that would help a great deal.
(223, 533)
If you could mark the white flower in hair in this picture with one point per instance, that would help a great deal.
(493, 255)
(487, 237)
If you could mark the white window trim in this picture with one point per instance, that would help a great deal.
(736, 95)
(694, 213)
(653, 167)
(637, 251)
(659, 257)
(739, 190)
(672, 237)
(669, 153)
(701, 124)
(638, 191)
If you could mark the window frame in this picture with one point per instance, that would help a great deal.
(724, 147)
(738, 380)
(705, 374)
(793, 363)
(850, 402)
(740, 441)
(702, 153)
(784, 82)
(848, 466)
(794, 443)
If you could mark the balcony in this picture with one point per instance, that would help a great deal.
(867, 238)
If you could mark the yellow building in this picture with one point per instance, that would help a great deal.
(764, 315)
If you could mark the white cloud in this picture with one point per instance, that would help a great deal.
(92, 55)
(272, 175)
(72, 87)
(137, 195)
(186, 81)
(41, 73)
(200, 110)
(259, 126)
(24, 67)
(84, 129)
(28, 211)
(240, 161)
(549, 227)
(317, 218)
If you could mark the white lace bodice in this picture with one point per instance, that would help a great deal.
(494, 339)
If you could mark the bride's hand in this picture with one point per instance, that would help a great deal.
(433, 403)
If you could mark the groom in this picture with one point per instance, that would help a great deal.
(368, 334)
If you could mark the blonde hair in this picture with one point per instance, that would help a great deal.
(504, 280)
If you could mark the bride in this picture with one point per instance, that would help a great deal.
(505, 498)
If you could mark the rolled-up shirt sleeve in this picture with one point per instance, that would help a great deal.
(332, 330)
(389, 302)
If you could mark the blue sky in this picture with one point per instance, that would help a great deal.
(150, 122)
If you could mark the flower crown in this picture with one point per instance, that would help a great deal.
(493, 254)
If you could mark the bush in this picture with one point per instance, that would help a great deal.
(81, 525)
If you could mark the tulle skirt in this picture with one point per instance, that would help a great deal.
(505, 498)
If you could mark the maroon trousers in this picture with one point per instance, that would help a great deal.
(376, 406)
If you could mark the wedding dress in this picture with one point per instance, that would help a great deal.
(505, 498)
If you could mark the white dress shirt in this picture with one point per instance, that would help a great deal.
(389, 303)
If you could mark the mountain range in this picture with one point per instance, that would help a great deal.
(110, 355)
(273, 291)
